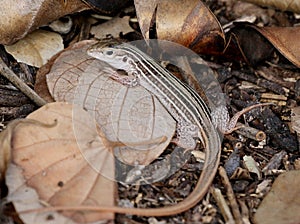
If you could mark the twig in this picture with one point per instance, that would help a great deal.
(261, 82)
(225, 210)
(251, 132)
(230, 194)
(244, 211)
(15, 80)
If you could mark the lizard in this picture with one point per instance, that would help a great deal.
(192, 115)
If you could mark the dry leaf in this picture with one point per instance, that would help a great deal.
(131, 116)
(36, 48)
(145, 10)
(189, 23)
(281, 205)
(48, 167)
(24, 16)
(284, 39)
(112, 27)
(287, 5)
(40, 86)
(252, 166)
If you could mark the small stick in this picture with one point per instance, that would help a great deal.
(251, 132)
(14, 79)
(261, 82)
(245, 212)
(224, 208)
(230, 194)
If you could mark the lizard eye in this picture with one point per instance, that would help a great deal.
(124, 59)
(109, 53)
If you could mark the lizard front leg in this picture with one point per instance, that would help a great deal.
(129, 79)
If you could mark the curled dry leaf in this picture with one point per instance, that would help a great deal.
(40, 86)
(131, 116)
(252, 166)
(145, 10)
(284, 39)
(36, 48)
(24, 16)
(48, 167)
(189, 23)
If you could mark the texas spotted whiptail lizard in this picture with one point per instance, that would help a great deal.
(192, 115)
(188, 109)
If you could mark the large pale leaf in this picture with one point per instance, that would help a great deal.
(36, 48)
(48, 167)
(131, 116)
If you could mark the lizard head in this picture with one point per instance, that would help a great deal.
(112, 54)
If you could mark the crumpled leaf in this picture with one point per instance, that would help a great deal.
(145, 10)
(189, 23)
(284, 39)
(287, 5)
(112, 27)
(24, 16)
(252, 166)
(36, 48)
(40, 86)
(281, 205)
(131, 116)
(48, 168)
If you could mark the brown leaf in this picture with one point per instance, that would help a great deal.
(24, 16)
(49, 166)
(131, 116)
(191, 24)
(145, 10)
(79, 48)
(284, 39)
(281, 205)
(186, 22)
(40, 86)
